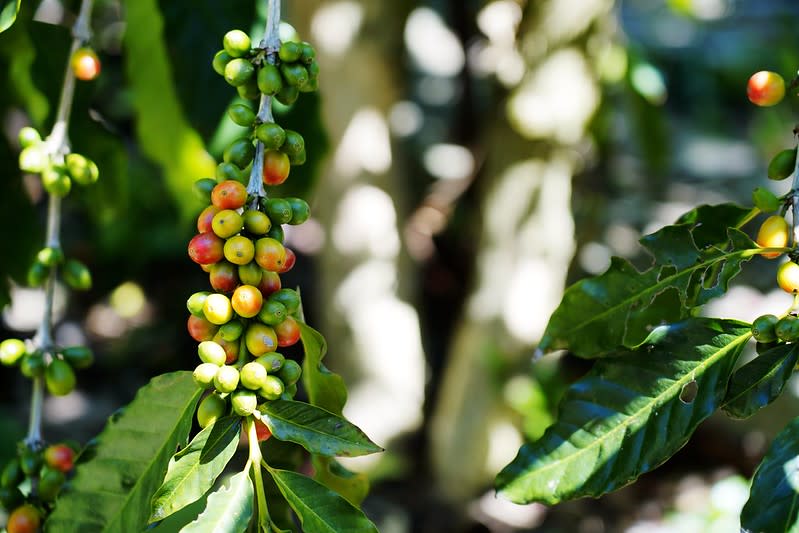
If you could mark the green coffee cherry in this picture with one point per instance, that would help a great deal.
(272, 361)
(289, 392)
(244, 402)
(12, 474)
(83, 170)
(288, 95)
(50, 256)
(231, 331)
(298, 158)
(30, 462)
(249, 90)
(271, 134)
(763, 328)
(277, 233)
(32, 365)
(50, 483)
(204, 374)
(78, 356)
(295, 74)
(34, 159)
(294, 143)
(195, 303)
(238, 72)
(28, 137)
(272, 389)
(241, 114)
(59, 378)
(787, 329)
(202, 189)
(300, 211)
(290, 51)
(250, 274)
(211, 352)
(221, 59)
(240, 153)
(272, 313)
(56, 181)
(11, 497)
(290, 373)
(313, 70)
(236, 43)
(782, 165)
(253, 375)
(11, 351)
(37, 274)
(256, 223)
(270, 82)
(210, 409)
(288, 297)
(307, 53)
(229, 171)
(77, 275)
(278, 210)
(226, 379)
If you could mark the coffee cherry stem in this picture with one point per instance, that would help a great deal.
(256, 458)
(57, 144)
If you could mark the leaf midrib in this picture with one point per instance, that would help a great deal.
(753, 384)
(623, 425)
(329, 436)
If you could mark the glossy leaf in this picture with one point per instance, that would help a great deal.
(117, 476)
(619, 307)
(760, 381)
(773, 503)
(229, 509)
(317, 430)
(223, 431)
(8, 13)
(325, 388)
(626, 416)
(319, 509)
(187, 478)
(354, 486)
(163, 132)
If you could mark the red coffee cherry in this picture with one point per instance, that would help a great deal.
(85, 64)
(765, 88)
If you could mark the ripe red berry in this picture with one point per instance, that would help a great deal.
(206, 248)
(24, 519)
(276, 167)
(59, 457)
(765, 88)
(85, 64)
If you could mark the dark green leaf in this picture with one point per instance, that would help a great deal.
(711, 222)
(760, 381)
(319, 509)
(317, 430)
(223, 432)
(354, 486)
(626, 416)
(115, 479)
(163, 132)
(8, 13)
(229, 509)
(774, 496)
(325, 388)
(620, 307)
(187, 478)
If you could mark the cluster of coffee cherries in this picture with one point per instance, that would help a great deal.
(57, 367)
(30, 482)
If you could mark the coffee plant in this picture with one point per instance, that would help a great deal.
(661, 368)
(32, 480)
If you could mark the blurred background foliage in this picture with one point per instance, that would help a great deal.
(466, 160)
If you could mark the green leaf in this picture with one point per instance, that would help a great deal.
(629, 414)
(8, 13)
(223, 431)
(354, 486)
(325, 388)
(163, 132)
(711, 222)
(621, 306)
(317, 430)
(760, 381)
(116, 478)
(319, 509)
(229, 509)
(188, 478)
(774, 496)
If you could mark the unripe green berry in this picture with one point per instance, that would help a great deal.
(211, 352)
(250, 274)
(271, 134)
(244, 402)
(272, 313)
(269, 80)
(204, 374)
(272, 361)
(253, 375)
(12, 474)
(289, 392)
(249, 90)
(272, 388)
(28, 137)
(300, 211)
(195, 303)
(290, 373)
(290, 51)
(78, 356)
(50, 256)
(238, 72)
(298, 158)
(32, 365)
(240, 153)
(288, 95)
(50, 483)
(59, 378)
(241, 114)
(11, 351)
(294, 143)
(308, 53)
(37, 274)
(287, 297)
(210, 409)
(56, 181)
(226, 379)
(236, 43)
(763, 328)
(83, 170)
(231, 331)
(77, 275)
(787, 329)
(279, 210)
(34, 159)
(294, 74)
(202, 189)
(228, 171)
(221, 59)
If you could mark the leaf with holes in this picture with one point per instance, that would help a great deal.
(188, 478)
(626, 416)
(760, 381)
(354, 486)
(325, 388)
(116, 478)
(620, 307)
(774, 496)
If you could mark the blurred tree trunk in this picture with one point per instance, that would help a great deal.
(526, 239)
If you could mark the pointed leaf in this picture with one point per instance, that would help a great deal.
(711, 222)
(621, 306)
(627, 416)
(229, 509)
(223, 432)
(319, 509)
(187, 478)
(317, 430)
(115, 479)
(760, 381)
(354, 486)
(774, 496)
(325, 389)
(8, 13)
